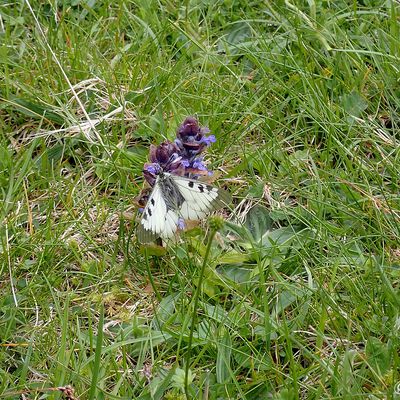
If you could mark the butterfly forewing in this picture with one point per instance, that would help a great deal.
(174, 197)
(157, 220)
(200, 198)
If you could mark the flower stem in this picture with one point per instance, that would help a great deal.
(150, 275)
(195, 302)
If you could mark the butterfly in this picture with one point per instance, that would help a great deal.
(174, 198)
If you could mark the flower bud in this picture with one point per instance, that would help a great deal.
(216, 223)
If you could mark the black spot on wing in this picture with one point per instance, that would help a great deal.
(152, 201)
(191, 184)
(149, 212)
(201, 188)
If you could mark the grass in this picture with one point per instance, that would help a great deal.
(299, 292)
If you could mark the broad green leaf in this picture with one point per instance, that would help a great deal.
(236, 273)
(178, 378)
(284, 238)
(153, 249)
(234, 257)
(245, 358)
(238, 230)
(166, 308)
(258, 222)
(286, 298)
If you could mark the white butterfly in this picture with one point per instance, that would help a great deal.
(174, 197)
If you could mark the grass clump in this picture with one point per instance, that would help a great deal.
(298, 296)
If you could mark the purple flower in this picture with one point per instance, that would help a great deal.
(165, 153)
(208, 140)
(191, 139)
(165, 157)
(153, 169)
(181, 224)
(150, 172)
(190, 127)
(198, 164)
(181, 157)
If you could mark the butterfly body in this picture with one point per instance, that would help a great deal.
(175, 198)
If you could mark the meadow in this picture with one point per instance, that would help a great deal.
(293, 293)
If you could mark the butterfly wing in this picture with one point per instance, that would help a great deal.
(199, 197)
(174, 197)
(157, 220)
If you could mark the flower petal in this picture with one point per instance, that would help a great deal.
(208, 140)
